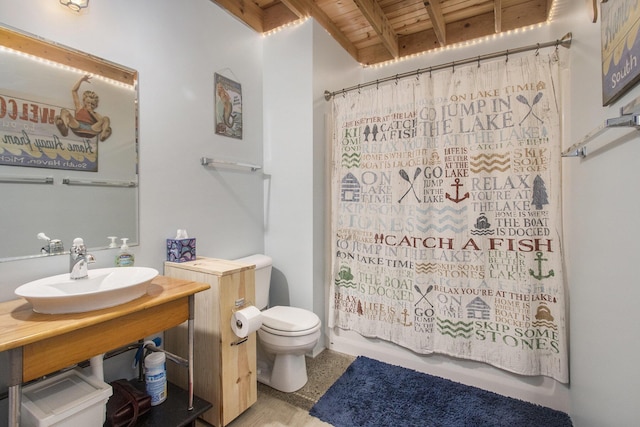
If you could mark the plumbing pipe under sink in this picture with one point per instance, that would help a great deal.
(97, 366)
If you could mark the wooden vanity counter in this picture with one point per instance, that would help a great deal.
(39, 344)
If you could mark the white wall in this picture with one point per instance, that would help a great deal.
(290, 198)
(299, 64)
(289, 165)
(602, 231)
(176, 50)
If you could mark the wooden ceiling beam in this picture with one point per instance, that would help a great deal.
(497, 12)
(424, 41)
(309, 8)
(523, 15)
(246, 11)
(276, 16)
(437, 20)
(374, 14)
(301, 8)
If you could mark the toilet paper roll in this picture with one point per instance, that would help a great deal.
(246, 321)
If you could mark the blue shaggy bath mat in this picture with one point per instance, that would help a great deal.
(373, 393)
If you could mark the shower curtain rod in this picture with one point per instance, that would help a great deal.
(565, 41)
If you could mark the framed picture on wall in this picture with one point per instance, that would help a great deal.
(620, 48)
(227, 107)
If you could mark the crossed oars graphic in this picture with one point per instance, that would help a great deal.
(404, 176)
(424, 296)
(525, 101)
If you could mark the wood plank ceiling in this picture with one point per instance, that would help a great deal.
(375, 31)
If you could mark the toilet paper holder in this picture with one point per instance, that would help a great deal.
(238, 305)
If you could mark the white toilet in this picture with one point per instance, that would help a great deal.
(286, 335)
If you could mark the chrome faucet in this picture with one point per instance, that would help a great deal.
(79, 260)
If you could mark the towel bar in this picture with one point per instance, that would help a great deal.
(27, 179)
(127, 184)
(579, 149)
(206, 161)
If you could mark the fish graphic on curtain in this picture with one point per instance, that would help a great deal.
(446, 215)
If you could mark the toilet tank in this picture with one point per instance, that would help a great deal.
(263, 277)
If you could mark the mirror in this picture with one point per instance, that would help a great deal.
(68, 147)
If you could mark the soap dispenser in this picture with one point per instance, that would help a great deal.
(124, 258)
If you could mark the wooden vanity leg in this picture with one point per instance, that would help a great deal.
(191, 339)
(15, 386)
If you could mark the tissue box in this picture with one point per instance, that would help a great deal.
(181, 250)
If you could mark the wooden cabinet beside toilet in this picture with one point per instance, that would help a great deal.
(224, 364)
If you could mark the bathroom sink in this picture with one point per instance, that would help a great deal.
(105, 287)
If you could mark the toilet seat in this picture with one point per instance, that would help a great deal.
(289, 321)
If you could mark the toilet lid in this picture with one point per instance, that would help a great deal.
(289, 319)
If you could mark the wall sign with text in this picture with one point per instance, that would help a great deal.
(620, 48)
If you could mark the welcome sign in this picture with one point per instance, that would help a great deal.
(30, 138)
(446, 215)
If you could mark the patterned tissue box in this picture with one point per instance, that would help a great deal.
(181, 250)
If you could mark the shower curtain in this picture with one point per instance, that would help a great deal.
(446, 214)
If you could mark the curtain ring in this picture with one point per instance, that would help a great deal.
(507, 56)
(453, 66)
(376, 84)
(478, 61)
(358, 89)
(418, 74)
(538, 50)
(396, 80)
(430, 70)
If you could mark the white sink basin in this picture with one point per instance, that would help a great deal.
(105, 287)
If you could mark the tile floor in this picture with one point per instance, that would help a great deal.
(277, 409)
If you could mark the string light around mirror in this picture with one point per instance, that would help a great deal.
(66, 67)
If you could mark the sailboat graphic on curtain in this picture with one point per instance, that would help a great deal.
(446, 215)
